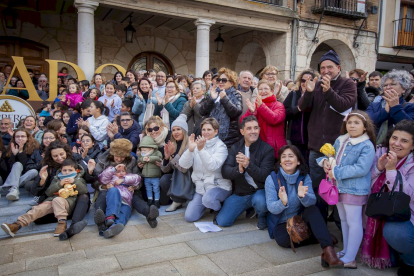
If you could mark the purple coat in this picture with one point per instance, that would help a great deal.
(74, 99)
(130, 179)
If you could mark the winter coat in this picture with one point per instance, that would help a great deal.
(132, 134)
(325, 110)
(139, 108)
(261, 164)
(407, 173)
(172, 164)
(98, 129)
(108, 177)
(298, 120)
(352, 174)
(74, 98)
(93, 153)
(378, 114)
(35, 161)
(6, 139)
(226, 111)
(174, 109)
(23, 94)
(207, 165)
(117, 104)
(150, 169)
(193, 116)
(55, 187)
(72, 127)
(272, 124)
(21, 157)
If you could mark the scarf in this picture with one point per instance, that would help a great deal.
(375, 250)
(64, 176)
(165, 115)
(160, 140)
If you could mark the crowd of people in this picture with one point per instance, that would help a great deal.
(228, 143)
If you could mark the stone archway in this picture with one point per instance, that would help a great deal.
(345, 54)
(251, 57)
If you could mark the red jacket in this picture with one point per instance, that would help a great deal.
(272, 124)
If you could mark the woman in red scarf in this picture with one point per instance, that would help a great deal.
(396, 155)
(270, 114)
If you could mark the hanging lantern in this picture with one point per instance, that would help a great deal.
(129, 31)
(10, 18)
(219, 42)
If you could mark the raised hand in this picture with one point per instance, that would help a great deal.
(347, 75)
(75, 149)
(140, 95)
(171, 148)
(310, 84)
(326, 83)
(192, 102)
(302, 190)
(363, 77)
(43, 174)
(113, 103)
(10, 131)
(278, 88)
(68, 102)
(159, 99)
(259, 101)
(191, 143)
(223, 94)
(283, 195)
(166, 98)
(91, 166)
(250, 106)
(391, 97)
(106, 101)
(201, 141)
(84, 152)
(14, 148)
(80, 121)
(166, 152)
(391, 161)
(213, 93)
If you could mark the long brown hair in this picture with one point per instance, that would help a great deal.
(368, 124)
(29, 147)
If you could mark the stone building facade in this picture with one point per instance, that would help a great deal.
(91, 33)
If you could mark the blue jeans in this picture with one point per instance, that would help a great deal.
(211, 199)
(400, 236)
(152, 184)
(235, 205)
(114, 206)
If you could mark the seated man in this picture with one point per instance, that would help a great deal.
(128, 129)
(248, 164)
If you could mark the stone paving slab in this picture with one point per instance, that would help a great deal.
(40, 248)
(55, 259)
(12, 268)
(197, 265)
(96, 266)
(158, 269)
(49, 271)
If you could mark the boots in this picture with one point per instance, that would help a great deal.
(329, 258)
(10, 229)
(174, 206)
(60, 228)
(74, 229)
(152, 216)
(99, 219)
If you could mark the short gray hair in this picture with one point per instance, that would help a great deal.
(42, 77)
(256, 79)
(246, 71)
(402, 76)
(200, 82)
(125, 114)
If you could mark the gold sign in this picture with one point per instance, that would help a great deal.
(53, 75)
(15, 109)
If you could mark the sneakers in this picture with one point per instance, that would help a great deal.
(174, 206)
(251, 213)
(99, 219)
(262, 224)
(152, 216)
(157, 204)
(109, 221)
(113, 231)
(60, 228)
(10, 229)
(34, 201)
(13, 194)
(74, 229)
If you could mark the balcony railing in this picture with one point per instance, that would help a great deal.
(350, 9)
(404, 34)
(271, 2)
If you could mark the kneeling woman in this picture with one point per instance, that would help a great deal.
(296, 197)
(206, 155)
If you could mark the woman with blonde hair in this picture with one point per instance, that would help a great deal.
(98, 81)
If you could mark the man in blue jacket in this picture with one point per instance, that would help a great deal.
(129, 129)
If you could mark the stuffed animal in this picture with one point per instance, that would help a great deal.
(68, 190)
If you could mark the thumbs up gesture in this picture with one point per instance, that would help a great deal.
(302, 190)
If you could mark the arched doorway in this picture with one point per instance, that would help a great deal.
(34, 53)
(251, 57)
(151, 60)
(344, 52)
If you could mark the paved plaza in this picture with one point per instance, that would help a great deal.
(175, 247)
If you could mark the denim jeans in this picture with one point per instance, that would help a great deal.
(114, 206)
(400, 236)
(235, 205)
(16, 179)
(211, 199)
(152, 184)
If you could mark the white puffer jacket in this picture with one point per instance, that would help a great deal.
(207, 166)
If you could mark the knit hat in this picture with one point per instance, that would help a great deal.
(332, 56)
(120, 147)
(181, 121)
(148, 142)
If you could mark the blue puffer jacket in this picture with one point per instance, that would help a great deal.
(352, 174)
(378, 114)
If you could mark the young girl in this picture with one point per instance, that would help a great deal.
(74, 96)
(66, 117)
(118, 182)
(111, 100)
(97, 123)
(94, 94)
(354, 151)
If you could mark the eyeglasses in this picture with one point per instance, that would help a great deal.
(355, 79)
(49, 138)
(390, 85)
(20, 137)
(87, 141)
(271, 74)
(160, 76)
(125, 120)
(222, 80)
(170, 87)
(149, 130)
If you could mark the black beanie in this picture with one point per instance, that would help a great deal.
(332, 56)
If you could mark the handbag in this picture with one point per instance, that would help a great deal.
(328, 191)
(181, 185)
(391, 206)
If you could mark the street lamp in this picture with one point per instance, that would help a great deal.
(219, 42)
(129, 31)
(10, 17)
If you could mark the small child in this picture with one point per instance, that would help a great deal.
(94, 94)
(60, 206)
(121, 90)
(120, 185)
(148, 155)
(111, 100)
(74, 97)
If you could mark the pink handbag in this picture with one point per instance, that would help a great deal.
(328, 191)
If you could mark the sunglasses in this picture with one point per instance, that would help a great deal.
(149, 130)
(126, 120)
(303, 80)
(222, 80)
(355, 79)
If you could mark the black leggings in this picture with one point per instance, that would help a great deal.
(317, 225)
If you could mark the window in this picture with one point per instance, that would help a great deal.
(151, 60)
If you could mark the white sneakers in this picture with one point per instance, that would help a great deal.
(13, 194)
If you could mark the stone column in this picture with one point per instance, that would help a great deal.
(203, 45)
(86, 36)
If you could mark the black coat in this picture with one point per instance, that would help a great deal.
(296, 121)
(261, 164)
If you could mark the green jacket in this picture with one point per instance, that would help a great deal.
(150, 169)
(55, 187)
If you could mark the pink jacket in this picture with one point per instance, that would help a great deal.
(272, 124)
(407, 173)
(108, 177)
(74, 99)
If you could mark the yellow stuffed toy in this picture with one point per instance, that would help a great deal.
(68, 190)
(329, 151)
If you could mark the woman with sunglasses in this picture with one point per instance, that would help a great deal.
(296, 134)
(225, 105)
